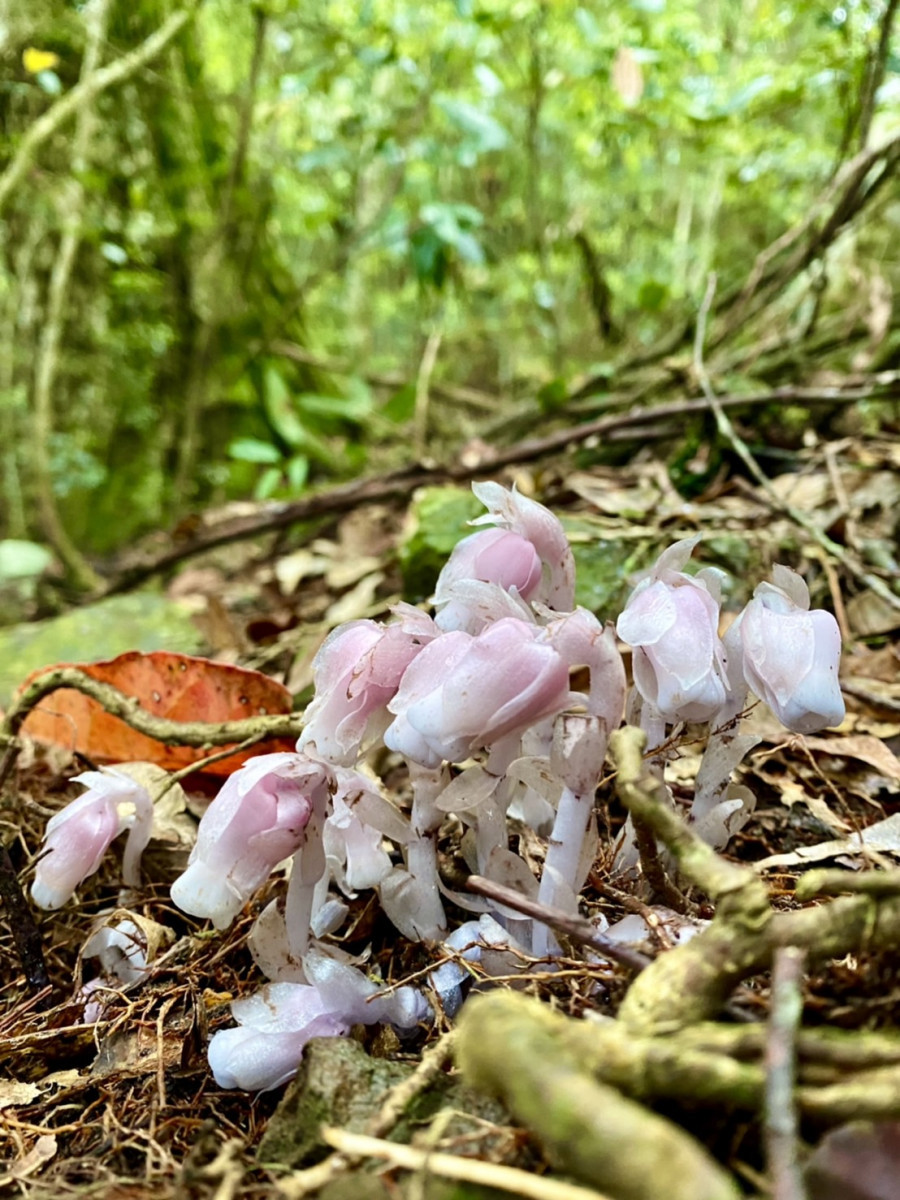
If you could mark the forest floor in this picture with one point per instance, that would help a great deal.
(127, 1107)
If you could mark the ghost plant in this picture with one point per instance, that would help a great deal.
(77, 837)
(478, 703)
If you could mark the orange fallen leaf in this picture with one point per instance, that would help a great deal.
(178, 687)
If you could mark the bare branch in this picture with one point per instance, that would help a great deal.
(85, 92)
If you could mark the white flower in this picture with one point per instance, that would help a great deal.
(258, 819)
(671, 621)
(79, 835)
(789, 655)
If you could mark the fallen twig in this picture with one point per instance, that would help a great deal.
(200, 734)
(780, 1111)
(452, 1166)
(404, 482)
(572, 925)
(726, 429)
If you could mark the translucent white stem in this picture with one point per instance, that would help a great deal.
(560, 875)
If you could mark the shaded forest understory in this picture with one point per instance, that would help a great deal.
(278, 286)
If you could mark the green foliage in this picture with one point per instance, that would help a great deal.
(351, 179)
(437, 521)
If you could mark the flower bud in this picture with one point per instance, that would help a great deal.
(463, 693)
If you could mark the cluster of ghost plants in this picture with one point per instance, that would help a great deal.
(477, 700)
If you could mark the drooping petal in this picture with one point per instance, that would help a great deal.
(258, 819)
(79, 835)
(789, 655)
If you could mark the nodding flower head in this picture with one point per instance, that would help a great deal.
(671, 621)
(496, 557)
(79, 835)
(789, 655)
(463, 693)
(532, 522)
(258, 819)
(357, 671)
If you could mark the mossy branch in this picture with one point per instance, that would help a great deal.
(199, 734)
(510, 1046)
(690, 984)
(841, 1073)
(86, 92)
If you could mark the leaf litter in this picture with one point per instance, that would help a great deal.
(127, 1107)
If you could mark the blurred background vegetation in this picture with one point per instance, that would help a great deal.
(296, 241)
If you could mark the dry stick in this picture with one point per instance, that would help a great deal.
(780, 1112)
(662, 888)
(405, 481)
(85, 92)
(452, 1166)
(874, 76)
(729, 433)
(570, 924)
(841, 200)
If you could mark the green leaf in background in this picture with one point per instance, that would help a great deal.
(482, 131)
(553, 395)
(402, 404)
(429, 257)
(20, 559)
(298, 472)
(602, 571)
(253, 450)
(344, 408)
(269, 483)
(438, 518)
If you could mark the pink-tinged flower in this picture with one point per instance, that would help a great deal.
(583, 641)
(276, 1023)
(790, 656)
(671, 621)
(357, 671)
(79, 835)
(274, 1026)
(529, 520)
(258, 819)
(463, 692)
(491, 556)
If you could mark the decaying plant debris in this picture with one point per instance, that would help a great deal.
(128, 1106)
